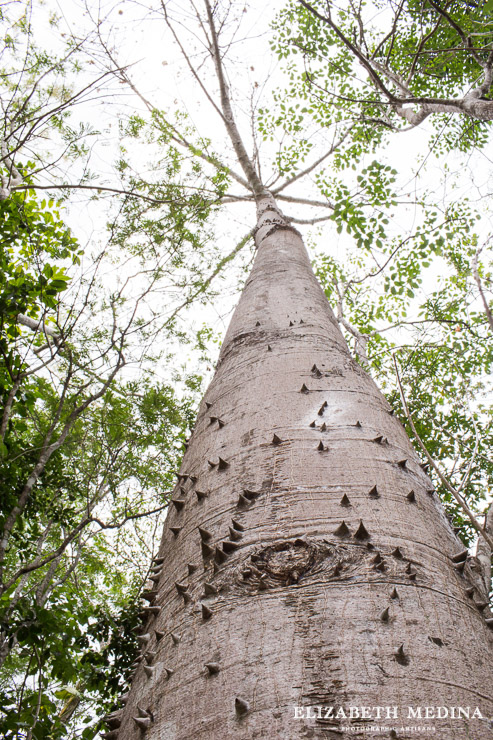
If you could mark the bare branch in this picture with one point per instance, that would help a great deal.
(203, 287)
(227, 112)
(477, 278)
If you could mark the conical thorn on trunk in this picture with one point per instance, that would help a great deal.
(151, 609)
(345, 501)
(251, 495)
(361, 533)
(219, 555)
(460, 556)
(229, 546)
(401, 656)
(142, 722)
(241, 706)
(342, 530)
(205, 535)
(234, 534)
(149, 595)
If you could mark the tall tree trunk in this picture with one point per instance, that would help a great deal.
(306, 561)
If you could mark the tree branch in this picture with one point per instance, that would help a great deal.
(477, 278)
(227, 112)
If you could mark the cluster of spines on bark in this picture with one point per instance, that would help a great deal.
(228, 546)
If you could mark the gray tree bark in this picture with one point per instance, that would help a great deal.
(307, 561)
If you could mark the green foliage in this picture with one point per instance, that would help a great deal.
(408, 292)
(432, 321)
(417, 52)
(72, 569)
